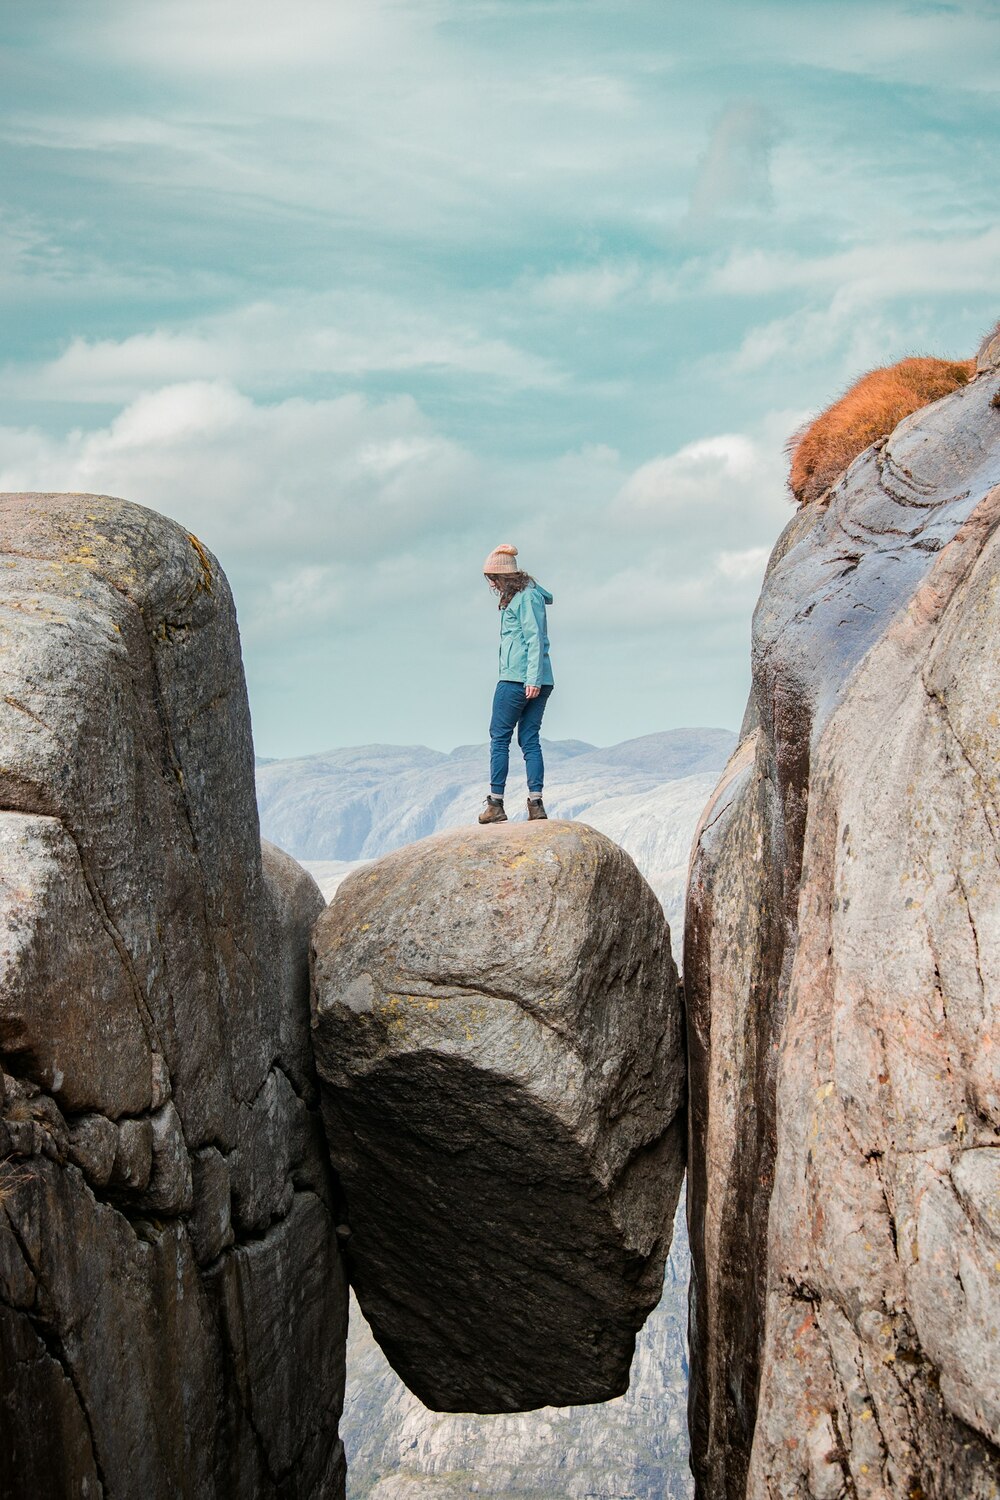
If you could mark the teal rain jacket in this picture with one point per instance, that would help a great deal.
(524, 638)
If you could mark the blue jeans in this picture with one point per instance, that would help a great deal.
(512, 708)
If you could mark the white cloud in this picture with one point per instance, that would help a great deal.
(109, 133)
(882, 270)
(847, 327)
(302, 598)
(684, 537)
(286, 486)
(843, 339)
(863, 307)
(113, 369)
(670, 591)
(406, 119)
(610, 283)
(749, 563)
(255, 37)
(597, 286)
(270, 345)
(700, 474)
(951, 46)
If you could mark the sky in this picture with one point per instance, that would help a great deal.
(356, 290)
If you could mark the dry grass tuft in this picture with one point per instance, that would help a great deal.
(12, 1176)
(990, 338)
(872, 407)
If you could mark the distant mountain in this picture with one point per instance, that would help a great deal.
(634, 1448)
(335, 809)
(669, 755)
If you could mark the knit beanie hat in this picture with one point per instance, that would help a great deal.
(502, 560)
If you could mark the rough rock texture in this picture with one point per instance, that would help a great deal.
(842, 972)
(172, 1303)
(635, 1446)
(498, 1035)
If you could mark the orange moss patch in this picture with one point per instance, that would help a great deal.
(205, 582)
(868, 411)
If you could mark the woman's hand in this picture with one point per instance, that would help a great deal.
(532, 692)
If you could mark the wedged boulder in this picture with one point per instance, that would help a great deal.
(172, 1299)
(842, 976)
(498, 1038)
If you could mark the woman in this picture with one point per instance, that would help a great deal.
(525, 680)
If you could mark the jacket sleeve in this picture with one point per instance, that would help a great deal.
(532, 612)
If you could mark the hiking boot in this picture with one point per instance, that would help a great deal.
(535, 809)
(493, 811)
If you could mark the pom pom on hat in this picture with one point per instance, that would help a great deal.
(501, 559)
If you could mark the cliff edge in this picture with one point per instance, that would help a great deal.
(842, 973)
(172, 1302)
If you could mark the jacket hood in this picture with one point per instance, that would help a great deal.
(527, 590)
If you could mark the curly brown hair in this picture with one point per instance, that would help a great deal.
(507, 585)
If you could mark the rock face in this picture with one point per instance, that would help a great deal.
(634, 1446)
(172, 1303)
(842, 971)
(498, 1036)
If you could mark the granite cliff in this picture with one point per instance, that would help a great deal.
(172, 1300)
(842, 971)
